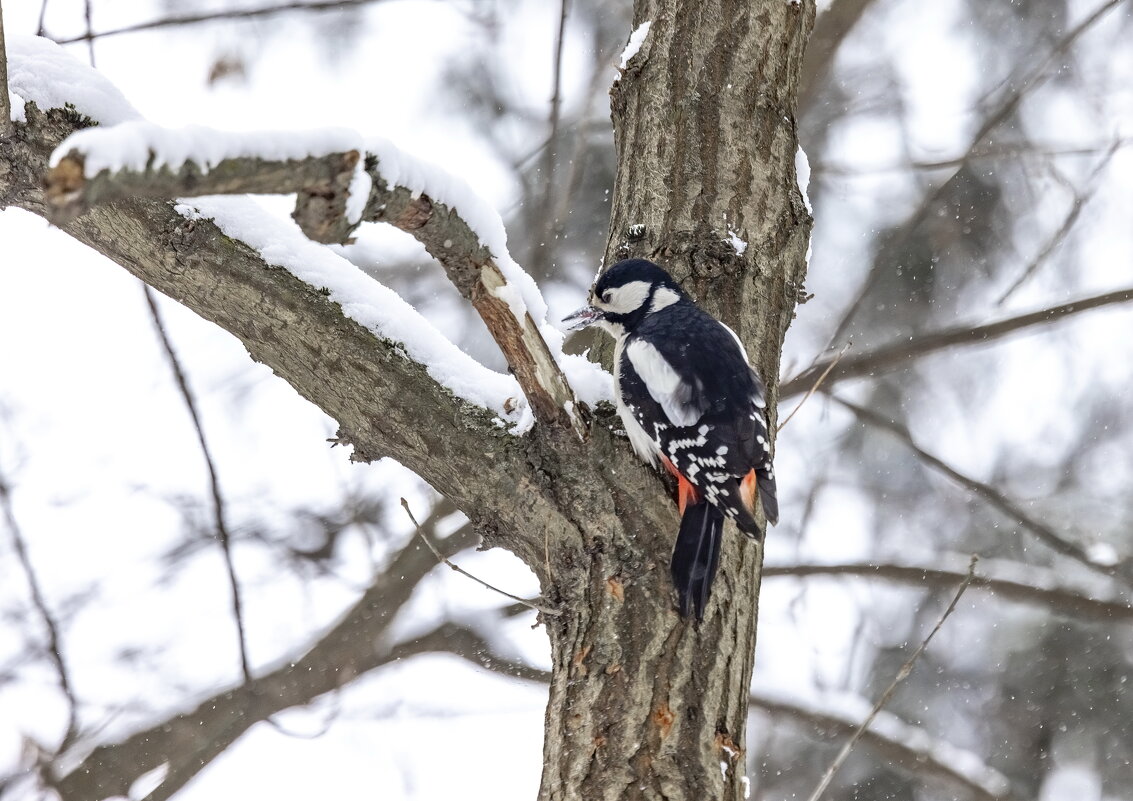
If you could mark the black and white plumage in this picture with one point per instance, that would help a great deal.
(690, 401)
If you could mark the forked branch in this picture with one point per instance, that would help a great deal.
(330, 204)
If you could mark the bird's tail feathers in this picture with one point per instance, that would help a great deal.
(696, 555)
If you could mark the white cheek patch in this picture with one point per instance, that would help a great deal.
(628, 298)
(664, 384)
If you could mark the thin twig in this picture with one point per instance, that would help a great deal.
(1010, 150)
(540, 256)
(547, 610)
(90, 30)
(40, 30)
(1011, 103)
(891, 357)
(54, 641)
(214, 481)
(5, 101)
(190, 19)
(994, 497)
(1081, 197)
(902, 674)
(814, 388)
(1059, 600)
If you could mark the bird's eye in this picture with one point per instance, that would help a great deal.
(606, 296)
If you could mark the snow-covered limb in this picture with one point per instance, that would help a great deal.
(337, 187)
(906, 746)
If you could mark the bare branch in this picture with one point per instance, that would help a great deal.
(192, 19)
(190, 740)
(908, 750)
(902, 674)
(5, 101)
(831, 27)
(914, 753)
(1044, 533)
(545, 218)
(1010, 103)
(1060, 600)
(1081, 197)
(1012, 150)
(547, 610)
(219, 521)
(814, 387)
(897, 355)
(90, 29)
(322, 185)
(51, 628)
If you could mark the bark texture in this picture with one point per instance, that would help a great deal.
(644, 705)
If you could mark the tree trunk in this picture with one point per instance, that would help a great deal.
(643, 704)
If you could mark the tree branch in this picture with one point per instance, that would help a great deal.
(1060, 600)
(896, 241)
(831, 27)
(1044, 533)
(218, 507)
(902, 674)
(901, 745)
(5, 101)
(323, 185)
(191, 19)
(898, 354)
(50, 626)
(385, 403)
(191, 740)
(1081, 197)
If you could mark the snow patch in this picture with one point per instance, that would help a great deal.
(636, 40)
(137, 144)
(738, 244)
(147, 782)
(42, 72)
(358, 193)
(1102, 553)
(591, 384)
(802, 176)
(378, 308)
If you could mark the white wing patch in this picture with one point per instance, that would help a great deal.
(645, 446)
(664, 384)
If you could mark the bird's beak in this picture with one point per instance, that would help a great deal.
(585, 316)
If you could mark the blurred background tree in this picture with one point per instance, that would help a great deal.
(970, 164)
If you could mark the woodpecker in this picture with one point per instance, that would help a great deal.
(689, 401)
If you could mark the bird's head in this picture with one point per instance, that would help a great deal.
(624, 295)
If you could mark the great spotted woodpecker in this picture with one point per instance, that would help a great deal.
(690, 400)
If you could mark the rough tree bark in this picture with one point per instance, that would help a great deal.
(642, 704)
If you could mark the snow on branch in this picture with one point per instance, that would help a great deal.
(341, 180)
(42, 72)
